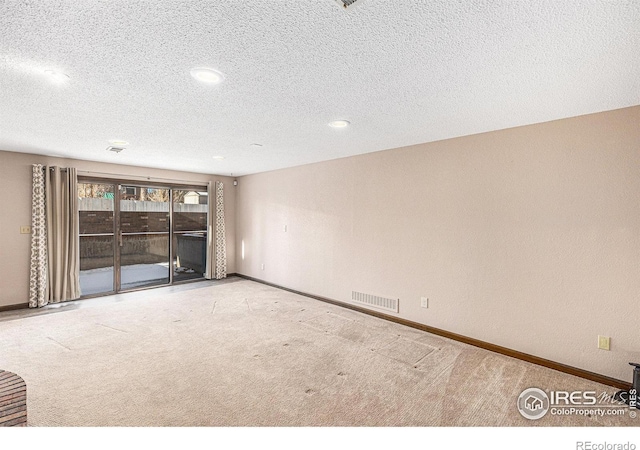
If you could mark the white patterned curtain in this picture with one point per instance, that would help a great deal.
(221, 238)
(38, 269)
(216, 236)
(55, 256)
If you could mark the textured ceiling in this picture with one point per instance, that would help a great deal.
(402, 71)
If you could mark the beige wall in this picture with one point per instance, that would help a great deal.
(527, 238)
(15, 208)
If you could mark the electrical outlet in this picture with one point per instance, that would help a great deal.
(604, 342)
(262, 266)
(25, 230)
(424, 302)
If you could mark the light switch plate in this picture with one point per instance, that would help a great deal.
(25, 230)
(604, 342)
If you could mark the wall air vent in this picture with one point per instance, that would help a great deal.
(388, 304)
(346, 3)
(115, 149)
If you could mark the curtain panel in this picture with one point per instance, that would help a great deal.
(216, 233)
(221, 234)
(55, 256)
(38, 267)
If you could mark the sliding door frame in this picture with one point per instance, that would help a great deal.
(117, 229)
(117, 238)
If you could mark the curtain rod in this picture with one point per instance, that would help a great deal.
(141, 177)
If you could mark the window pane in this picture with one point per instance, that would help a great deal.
(95, 205)
(144, 222)
(190, 233)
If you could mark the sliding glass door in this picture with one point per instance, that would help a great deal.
(135, 236)
(96, 204)
(144, 237)
(189, 233)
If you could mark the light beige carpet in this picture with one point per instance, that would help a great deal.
(242, 353)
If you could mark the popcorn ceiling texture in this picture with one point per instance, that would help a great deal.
(403, 72)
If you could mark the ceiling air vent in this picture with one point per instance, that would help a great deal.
(346, 3)
(115, 149)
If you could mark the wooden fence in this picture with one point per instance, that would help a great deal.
(105, 204)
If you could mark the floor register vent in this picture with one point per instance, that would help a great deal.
(388, 304)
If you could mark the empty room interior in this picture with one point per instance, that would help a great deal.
(319, 213)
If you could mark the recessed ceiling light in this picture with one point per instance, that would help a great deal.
(118, 143)
(217, 157)
(207, 75)
(58, 77)
(339, 123)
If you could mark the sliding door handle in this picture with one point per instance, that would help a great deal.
(120, 238)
